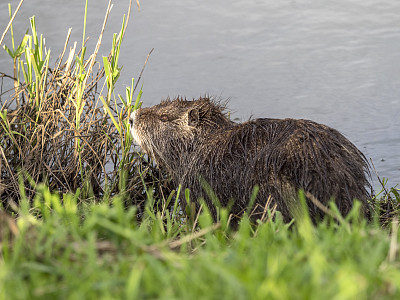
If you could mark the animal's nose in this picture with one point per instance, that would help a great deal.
(132, 118)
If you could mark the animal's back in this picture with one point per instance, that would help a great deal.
(281, 156)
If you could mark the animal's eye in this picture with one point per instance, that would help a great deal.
(164, 118)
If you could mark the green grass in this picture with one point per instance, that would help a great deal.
(60, 250)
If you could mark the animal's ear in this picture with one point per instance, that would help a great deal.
(193, 117)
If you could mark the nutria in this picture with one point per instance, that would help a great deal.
(200, 146)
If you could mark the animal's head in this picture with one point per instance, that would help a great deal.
(173, 127)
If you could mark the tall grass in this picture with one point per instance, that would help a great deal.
(55, 128)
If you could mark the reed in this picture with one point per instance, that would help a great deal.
(59, 128)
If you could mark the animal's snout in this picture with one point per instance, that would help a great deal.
(132, 118)
(133, 128)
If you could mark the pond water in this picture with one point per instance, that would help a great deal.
(335, 62)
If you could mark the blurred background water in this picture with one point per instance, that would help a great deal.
(335, 62)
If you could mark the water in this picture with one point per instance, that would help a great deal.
(335, 62)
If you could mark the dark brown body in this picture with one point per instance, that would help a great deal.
(196, 142)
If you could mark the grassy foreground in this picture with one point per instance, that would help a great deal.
(100, 251)
(95, 230)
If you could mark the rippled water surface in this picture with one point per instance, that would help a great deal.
(336, 62)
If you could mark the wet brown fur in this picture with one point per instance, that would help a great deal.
(196, 140)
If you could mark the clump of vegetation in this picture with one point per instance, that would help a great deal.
(386, 203)
(54, 130)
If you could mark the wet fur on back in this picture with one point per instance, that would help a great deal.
(195, 141)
